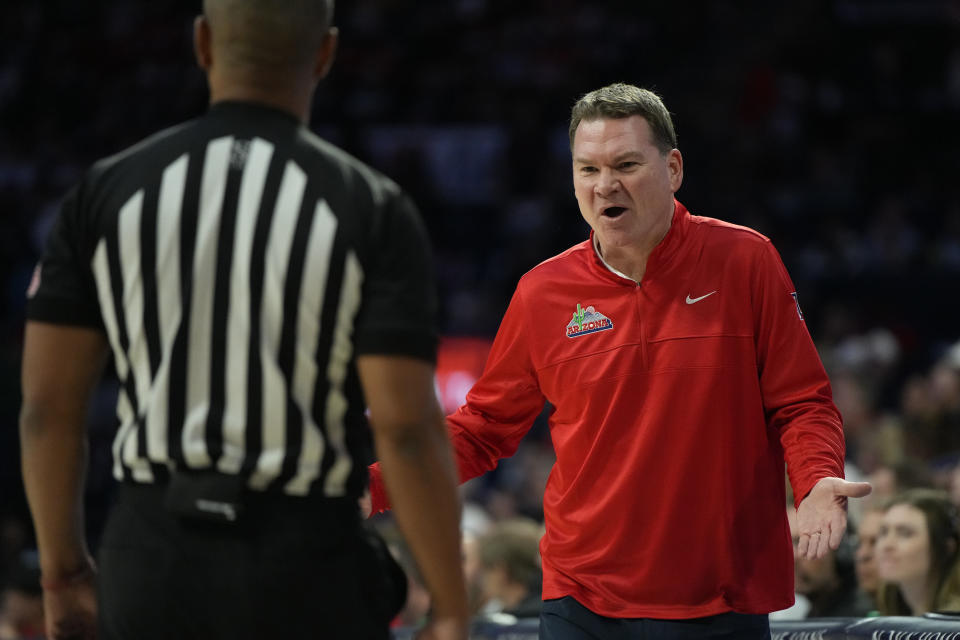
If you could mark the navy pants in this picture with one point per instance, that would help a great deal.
(567, 619)
(289, 568)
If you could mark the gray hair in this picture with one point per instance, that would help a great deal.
(621, 100)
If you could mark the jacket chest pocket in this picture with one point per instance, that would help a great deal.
(702, 351)
(580, 373)
(707, 331)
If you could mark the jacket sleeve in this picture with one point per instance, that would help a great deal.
(500, 408)
(796, 392)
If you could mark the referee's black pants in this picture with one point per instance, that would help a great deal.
(289, 568)
(567, 619)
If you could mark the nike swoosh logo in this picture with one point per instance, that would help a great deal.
(693, 300)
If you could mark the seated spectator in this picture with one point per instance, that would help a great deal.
(917, 558)
(21, 601)
(417, 606)
(945, 392)
(829, 583)
(470, 554)
(416, 610)
(953, 485)
(865, 552)
(474, 523)
(511, 575)
(909, 473)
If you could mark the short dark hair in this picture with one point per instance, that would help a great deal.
(621, 100)
(269, 33)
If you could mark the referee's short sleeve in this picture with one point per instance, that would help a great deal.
(63, 290)
(398, 314)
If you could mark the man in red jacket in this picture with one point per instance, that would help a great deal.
(682, 376)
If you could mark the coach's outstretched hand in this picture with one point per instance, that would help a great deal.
(822, 515)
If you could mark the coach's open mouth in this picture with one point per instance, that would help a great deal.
(613, 212)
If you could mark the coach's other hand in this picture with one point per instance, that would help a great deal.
(822, 515)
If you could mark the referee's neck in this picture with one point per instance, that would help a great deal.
(292, 97)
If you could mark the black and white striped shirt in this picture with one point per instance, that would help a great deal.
(238, 265)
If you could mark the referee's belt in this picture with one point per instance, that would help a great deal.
(225, 498)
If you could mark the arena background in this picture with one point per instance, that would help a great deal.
(831, 126)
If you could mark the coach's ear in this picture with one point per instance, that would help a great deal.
(202, 47)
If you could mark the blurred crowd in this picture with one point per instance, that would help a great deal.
(831, 126)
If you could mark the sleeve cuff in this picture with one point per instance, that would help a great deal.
(803, 489)
(378, 494)
(64, 312)
(401, 342)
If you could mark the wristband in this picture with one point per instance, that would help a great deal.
(70, 580)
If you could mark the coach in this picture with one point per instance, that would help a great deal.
(681, 376)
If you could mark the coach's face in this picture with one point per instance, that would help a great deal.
(623, 183)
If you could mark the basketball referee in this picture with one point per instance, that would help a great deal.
(258, 289)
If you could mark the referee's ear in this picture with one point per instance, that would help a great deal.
(202, 47)
(326, 53)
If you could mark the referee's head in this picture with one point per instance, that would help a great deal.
(266, 45)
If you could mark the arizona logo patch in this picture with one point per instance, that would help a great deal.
(586, 321)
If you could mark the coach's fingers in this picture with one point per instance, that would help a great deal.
(838, 526)
(823, 547)
(803, 545)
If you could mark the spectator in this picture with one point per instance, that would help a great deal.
(13, 541)
(919, 416)
(510, 570)
(917, 554)
(416, 609)
(945, 391)
(910, 473)
(21, 601)
(953, 485)
(865, 551)
(828, 583)
(470, 547)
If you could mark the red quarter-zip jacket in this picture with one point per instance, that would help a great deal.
(676, 402)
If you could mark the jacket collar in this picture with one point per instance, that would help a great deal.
(662, 255)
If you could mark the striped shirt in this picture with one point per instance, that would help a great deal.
(238, 265)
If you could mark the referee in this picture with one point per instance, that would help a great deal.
(259, 290)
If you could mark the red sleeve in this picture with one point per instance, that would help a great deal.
(796, 391)
(500, 408)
